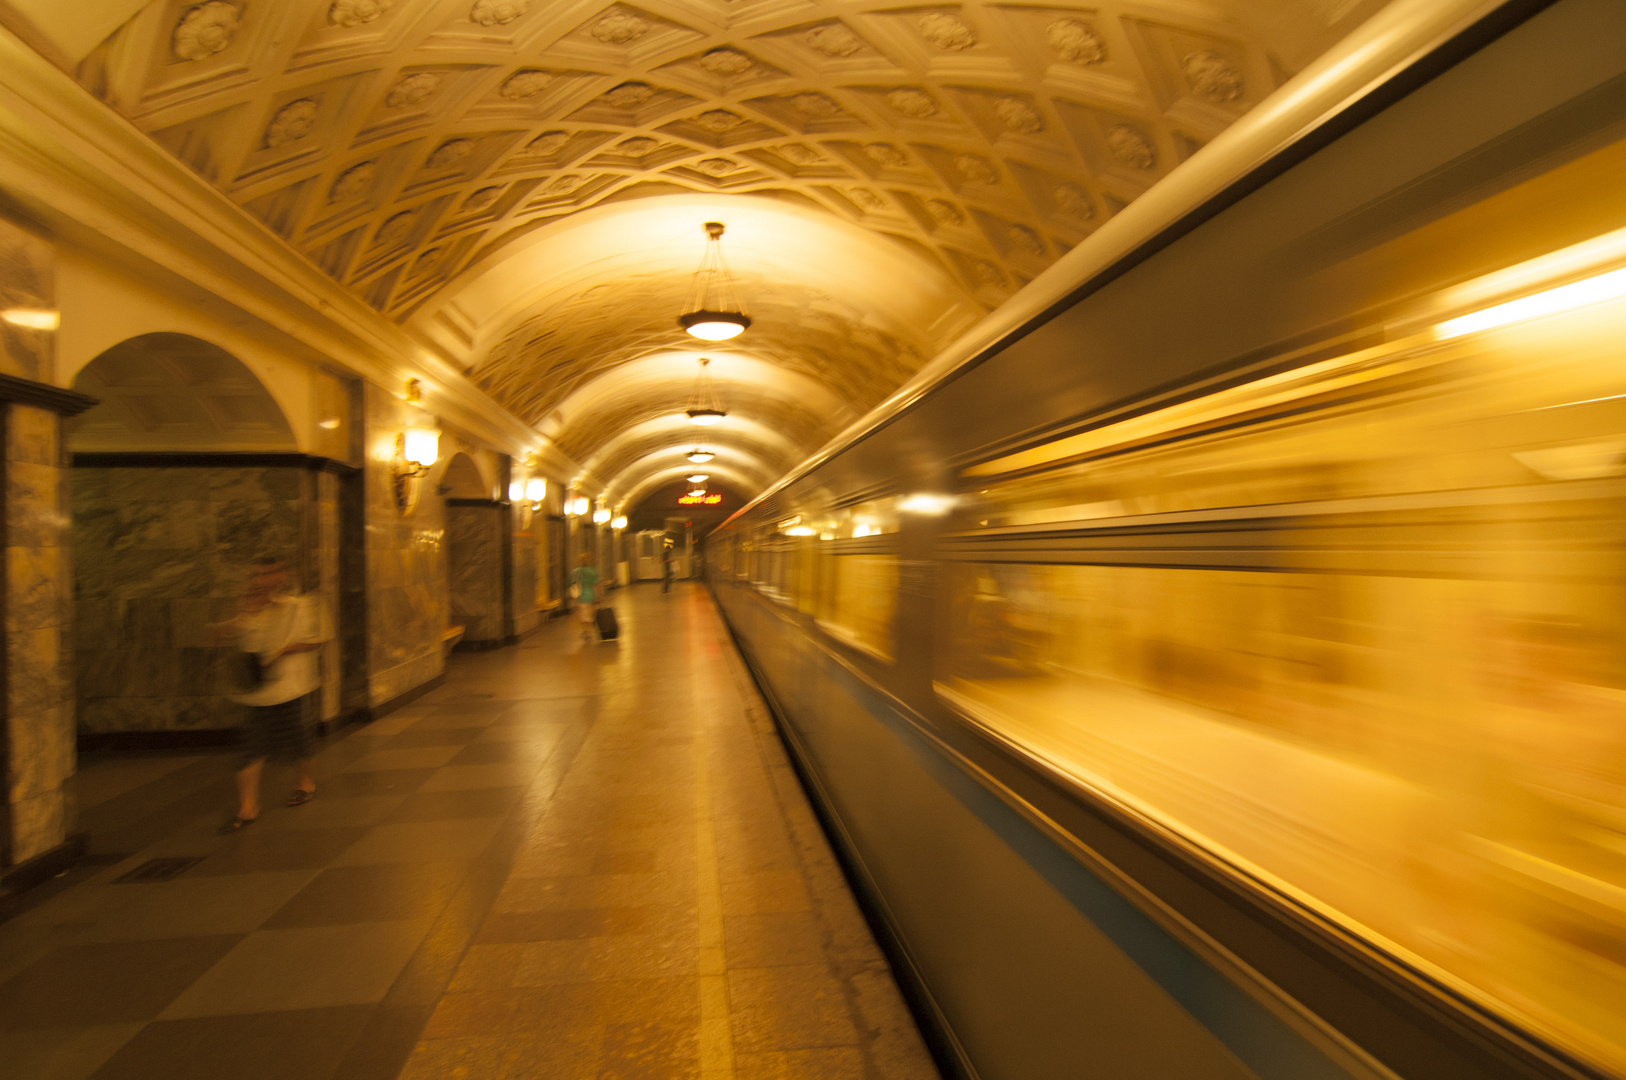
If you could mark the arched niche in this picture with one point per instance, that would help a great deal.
(176, 393)
(463, 480)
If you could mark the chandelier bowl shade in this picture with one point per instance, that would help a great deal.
(715, 325)
(704, 417)
(699, 456)
(714, 311)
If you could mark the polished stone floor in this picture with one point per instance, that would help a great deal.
(569, 861)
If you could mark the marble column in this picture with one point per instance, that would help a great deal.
(39, 706)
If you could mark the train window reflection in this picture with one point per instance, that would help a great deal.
(1370, 646)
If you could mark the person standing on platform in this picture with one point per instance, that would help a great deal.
(584, 590)
(277, 636)
(666, 567)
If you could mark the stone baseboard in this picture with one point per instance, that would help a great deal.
(43, 867)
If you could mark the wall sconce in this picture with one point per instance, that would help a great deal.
(576, 507)
(416, 449)
(536, 489)
(600, 516)
(618, 522)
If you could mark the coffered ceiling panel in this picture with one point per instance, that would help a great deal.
(417, 150)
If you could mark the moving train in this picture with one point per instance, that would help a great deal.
(1215, 664)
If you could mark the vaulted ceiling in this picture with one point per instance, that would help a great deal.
(522, 182)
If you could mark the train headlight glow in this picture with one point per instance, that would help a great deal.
(1577, 294)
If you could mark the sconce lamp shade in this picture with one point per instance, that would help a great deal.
(578, 507)
(600, 516)
(536, 489)
(618, 522)
(421, 446)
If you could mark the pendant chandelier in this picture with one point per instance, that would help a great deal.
(714, 311)
(704, 408)
(699, 456)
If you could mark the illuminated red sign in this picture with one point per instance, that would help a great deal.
(699, 500)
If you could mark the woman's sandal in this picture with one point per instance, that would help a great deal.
(237, 824)
(300, 797)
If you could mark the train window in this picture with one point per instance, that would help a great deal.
(861, 597)
(1360, 630)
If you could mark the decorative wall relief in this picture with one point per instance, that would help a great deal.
(159, 554)
(728, 62)
(629, 95)
(450, 154)
(205, 30)
(549, 142)
(395, 229)
(412, 89)
(482, 198)
(720, 120)
(354, 182)
(834, 39)
(620, 28)
(915, 104)
(291, 123)
(978, 170)
(497, 12)
(1073, 201)
(814, 105)
(523, 85)
(349, 13)
(947, 32)
(1211, 76)
(1131, 146)
(1018, 116)
(1076, 42)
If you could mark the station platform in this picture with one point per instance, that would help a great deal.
(570, 860)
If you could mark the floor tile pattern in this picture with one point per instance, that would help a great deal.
(570, 861)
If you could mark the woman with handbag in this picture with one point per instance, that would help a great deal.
(277, 636)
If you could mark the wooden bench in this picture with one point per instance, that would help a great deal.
(449, 638)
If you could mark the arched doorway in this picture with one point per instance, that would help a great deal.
(476, 530)
(184, 474)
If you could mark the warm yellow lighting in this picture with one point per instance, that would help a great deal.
(717, 326)
(1577, 294)
(697, 478)
(697, 493)
(329, 424)
(699, 456)
(926, 505)
(36, 318)
(618, 522)
(578, 507)
(420, 446)
(600, 516)
(536, 489)
(516, 491)
(862, 531)
(704, 417)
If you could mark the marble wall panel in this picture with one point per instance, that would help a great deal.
(405, 564)
(474, 554)
(27, 282)
(39, 714)
(160, 554)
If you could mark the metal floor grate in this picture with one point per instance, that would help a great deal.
(154, 870)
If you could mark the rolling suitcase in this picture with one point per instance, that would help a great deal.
(607, 628)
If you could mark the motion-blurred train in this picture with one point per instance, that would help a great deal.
(1216, 665)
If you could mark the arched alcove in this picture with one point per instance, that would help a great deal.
(462, 479)
(176, 393)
